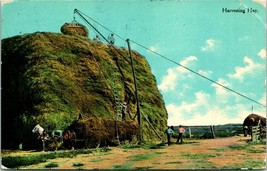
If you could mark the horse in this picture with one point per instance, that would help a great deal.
(69, 139)
(42, 134)
(254, 120)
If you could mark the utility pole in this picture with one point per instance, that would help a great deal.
(136, 94)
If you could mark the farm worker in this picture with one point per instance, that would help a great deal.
(181, 130)
(111, 39)
(169, 133)
(123, 111)
(97, 40)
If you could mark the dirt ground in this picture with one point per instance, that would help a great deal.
(193, 154)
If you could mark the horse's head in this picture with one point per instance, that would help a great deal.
(38, 129)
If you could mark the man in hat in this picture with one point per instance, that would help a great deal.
(181, 130)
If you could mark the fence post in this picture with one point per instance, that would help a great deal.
(212, 131)
(189, 130)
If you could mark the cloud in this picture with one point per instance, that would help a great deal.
(219, 89)
(201, 112)
(210, 44)
(169, 81)
(186, 62)
(154, 48)
(244, 38)
(205, 73)
(262, 53)
(241, 72)
(206, 109)
(5, 1)
(262, 2)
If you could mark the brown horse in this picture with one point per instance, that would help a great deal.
(254, 120)
(69, 139)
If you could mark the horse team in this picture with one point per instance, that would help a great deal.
(56, 138)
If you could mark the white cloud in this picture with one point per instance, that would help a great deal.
(210, 44)
(219, 89)
(244, 38)
(169, 81)
(262, 53)
(154, 48)
(5, 1)
(206, 110)
(186, 62)
(262, 2)
(241, 72)
(205, 73)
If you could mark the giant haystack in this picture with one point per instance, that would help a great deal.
(51, 78)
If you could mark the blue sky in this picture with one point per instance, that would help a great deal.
(229, 48)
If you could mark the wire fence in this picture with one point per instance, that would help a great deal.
(211, 131)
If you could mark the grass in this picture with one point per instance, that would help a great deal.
(248, 165)
(174, 162)
(140, 157)
(52, 164)
(126, 166)
(17, 161)
(199, 156)
(97, 160)
(77, 164)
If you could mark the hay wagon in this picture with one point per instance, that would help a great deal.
(95, 132)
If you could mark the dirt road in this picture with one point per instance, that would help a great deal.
(223, 153)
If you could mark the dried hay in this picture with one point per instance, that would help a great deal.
(74, 29)
(98, 130)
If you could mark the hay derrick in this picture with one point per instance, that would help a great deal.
(99, 131)
(74, 29)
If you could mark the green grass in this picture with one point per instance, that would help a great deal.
(97, 160)
(17, 161)
(126, 166)
(174, 162)
(199, 156)
(140, 157)
(249, 165)
(77, 164)
(52, 164)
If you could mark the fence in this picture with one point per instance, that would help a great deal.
(211, 131)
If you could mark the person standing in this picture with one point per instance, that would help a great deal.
(111, 39)
(123, 111)
(181, 130)
(169, 133)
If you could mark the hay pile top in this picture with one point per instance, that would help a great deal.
(74, 29)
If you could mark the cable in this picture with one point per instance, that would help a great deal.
(101, 25)
(166, 58)
(197, 73)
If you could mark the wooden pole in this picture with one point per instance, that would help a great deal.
(189, 129)
(212, 131)
(136, 93)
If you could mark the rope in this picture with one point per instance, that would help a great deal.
(164, 57)
(242, 95)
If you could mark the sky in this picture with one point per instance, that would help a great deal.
(227, 47)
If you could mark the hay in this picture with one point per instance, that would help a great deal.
(74, 29)
(99, 130)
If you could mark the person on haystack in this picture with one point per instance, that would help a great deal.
(123, 111)
(111, 39)
(97, 40)
(169, 133)
(181, 130)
